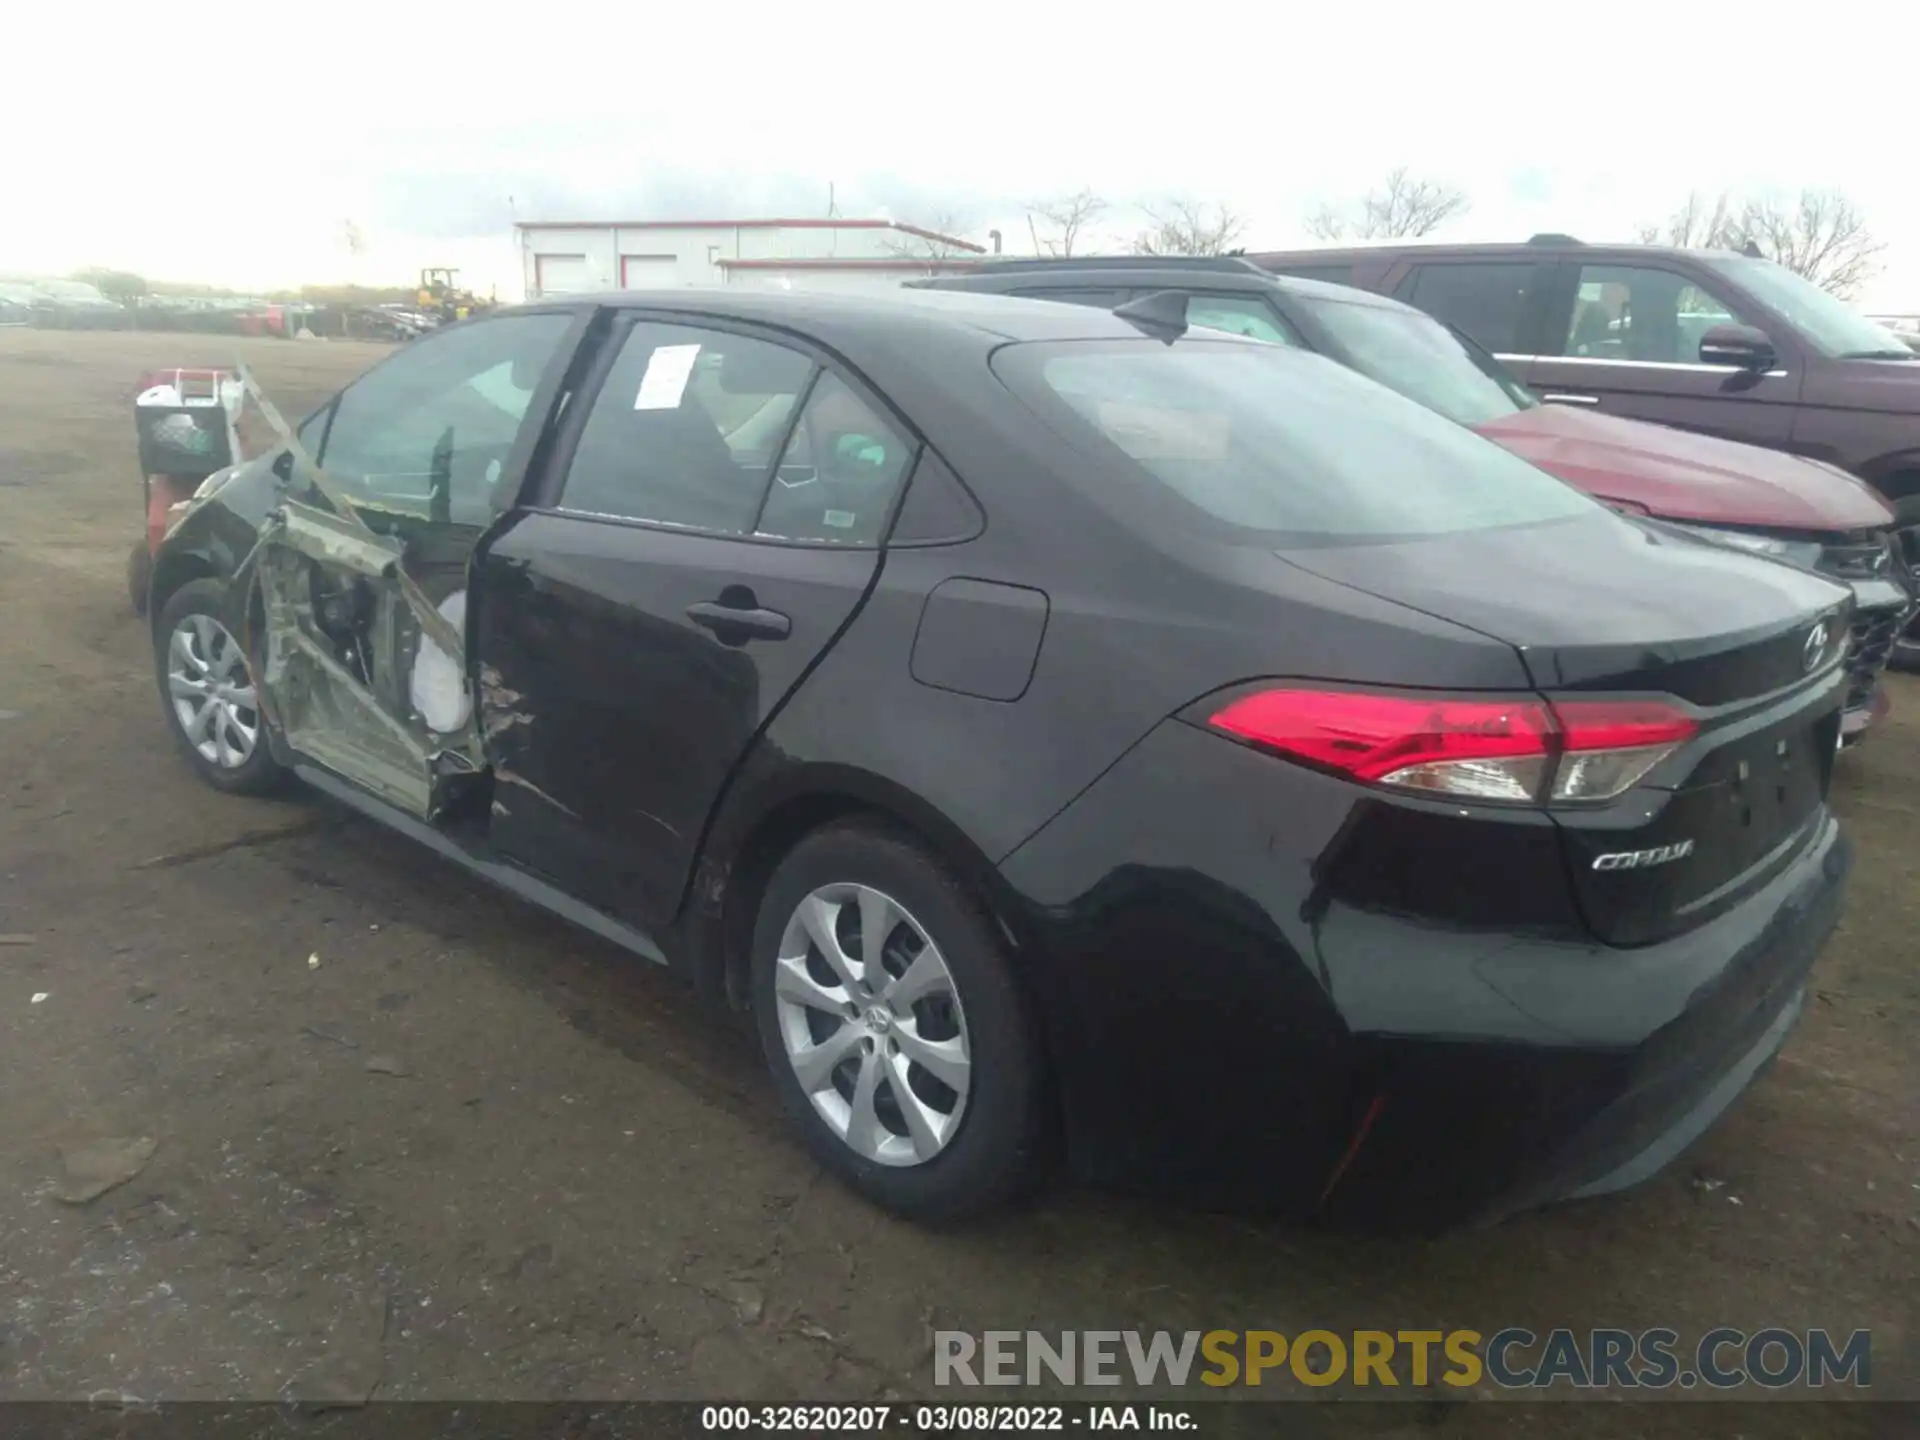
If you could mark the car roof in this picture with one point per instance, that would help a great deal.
(1554, 246)
(883, 315)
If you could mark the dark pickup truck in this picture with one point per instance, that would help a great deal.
(1706, 340)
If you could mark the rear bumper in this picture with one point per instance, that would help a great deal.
(1232, 1021)
(1676, 1083)
(1589, 1118)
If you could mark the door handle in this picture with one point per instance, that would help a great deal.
(735, 625)
(1563, 397)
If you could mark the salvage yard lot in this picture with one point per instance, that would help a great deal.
(474, 1153)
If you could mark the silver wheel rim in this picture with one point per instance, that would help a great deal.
(212, 692)
(871, 1021)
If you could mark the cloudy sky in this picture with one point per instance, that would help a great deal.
(238, 151)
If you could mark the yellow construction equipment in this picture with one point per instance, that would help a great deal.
(440, 296)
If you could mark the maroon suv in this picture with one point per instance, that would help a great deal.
(1705, 340)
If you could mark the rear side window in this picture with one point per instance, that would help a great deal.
(1487, 301)
(1272, 442)
(839, 473)
(685, 429)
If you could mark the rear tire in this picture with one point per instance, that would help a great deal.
(208, 694)
(1906, 650)
(956, 1136)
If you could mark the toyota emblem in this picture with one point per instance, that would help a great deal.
(1815, 647)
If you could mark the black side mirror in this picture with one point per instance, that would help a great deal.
(1740, 346)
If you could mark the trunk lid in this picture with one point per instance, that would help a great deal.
(1603, 606)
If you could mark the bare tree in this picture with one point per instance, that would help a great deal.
(1183, 227)
(1698, 225)
(1820, 235)
(1403, 207)
(1057, 225)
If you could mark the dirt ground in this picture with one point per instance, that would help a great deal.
(581, 1186)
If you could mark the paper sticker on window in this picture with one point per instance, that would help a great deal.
(666, 378)
(840, 519)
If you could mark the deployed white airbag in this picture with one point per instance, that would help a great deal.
(439, 685)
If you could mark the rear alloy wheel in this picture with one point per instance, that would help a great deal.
(894, 1028)
(872, 1024)
(206, 685)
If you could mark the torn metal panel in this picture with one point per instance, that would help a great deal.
(341, 648)
(323, 709)
(328, 538)
(502, 708)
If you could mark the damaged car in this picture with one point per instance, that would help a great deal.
(1059, 730)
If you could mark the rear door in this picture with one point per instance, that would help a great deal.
(709, 523)
(1625, 339)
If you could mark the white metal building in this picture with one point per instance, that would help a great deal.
(574, 256)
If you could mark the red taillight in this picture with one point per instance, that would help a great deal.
(1621, 724)
(1470, 748)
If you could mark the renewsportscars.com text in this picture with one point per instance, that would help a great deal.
(1510, 1359)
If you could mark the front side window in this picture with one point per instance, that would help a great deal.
(1272, 444)
(1833, 327)
(1486, 300)
(1415, 354)
(685, 428)
(428, 433)
(1641, 313)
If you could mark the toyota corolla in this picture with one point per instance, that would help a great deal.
(1059, 731)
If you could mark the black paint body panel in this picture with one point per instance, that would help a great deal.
(980, 638)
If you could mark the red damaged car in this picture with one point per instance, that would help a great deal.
(1798, 511)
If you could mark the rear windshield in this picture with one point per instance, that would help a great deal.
(1422, 359)
(1277, 443)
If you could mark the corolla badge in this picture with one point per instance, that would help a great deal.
(1641, 859)
(1815, 647)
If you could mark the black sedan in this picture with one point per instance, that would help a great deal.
(1054, 727)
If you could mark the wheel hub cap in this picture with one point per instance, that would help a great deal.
(212, 692)
(870, 1019)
